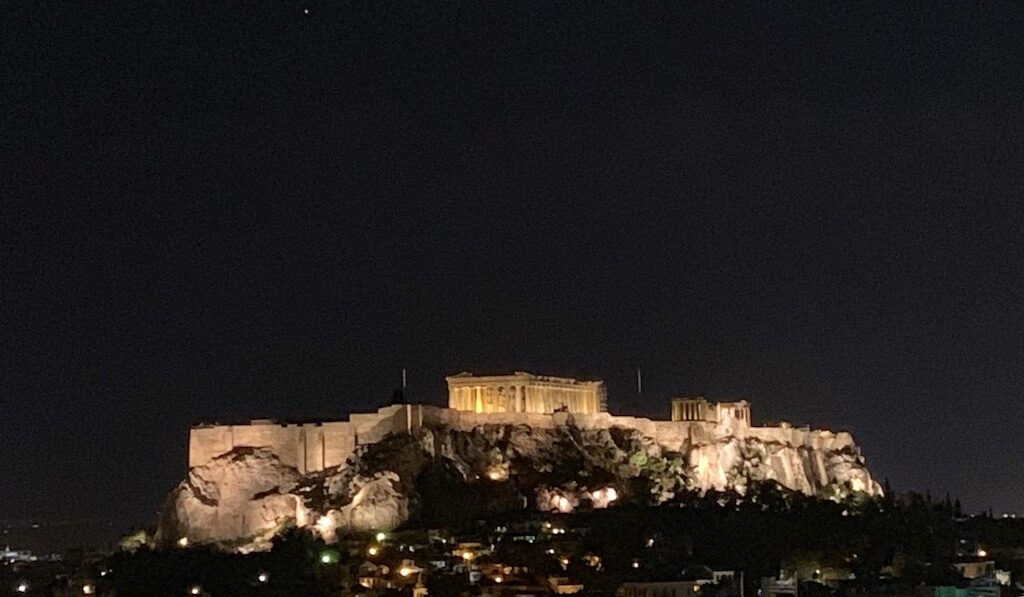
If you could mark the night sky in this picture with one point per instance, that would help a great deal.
(222, 212)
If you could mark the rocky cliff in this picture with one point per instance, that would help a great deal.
(241, 499)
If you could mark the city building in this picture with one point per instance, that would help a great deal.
(779, 587)
(975, 568)
(675, 588)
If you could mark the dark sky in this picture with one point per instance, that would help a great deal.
(215, 211)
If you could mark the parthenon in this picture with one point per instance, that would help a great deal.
(523, 392)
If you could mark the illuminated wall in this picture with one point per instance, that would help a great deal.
(312, 447)
(309, 447)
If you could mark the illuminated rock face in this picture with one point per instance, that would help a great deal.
(241, 499)
(811, 467)
(372, 503)
(244, 494)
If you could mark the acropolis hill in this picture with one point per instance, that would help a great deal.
(248, 481)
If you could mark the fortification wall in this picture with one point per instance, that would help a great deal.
(318, 446)
(370, 428)
(207, 442)
(339, 440)
(309, 447)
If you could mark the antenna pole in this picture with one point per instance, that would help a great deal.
(403, 378)
(639, 382)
